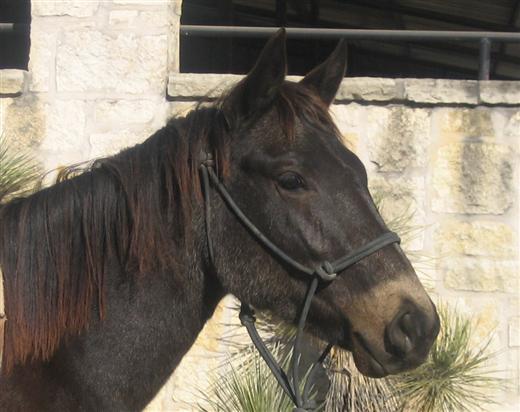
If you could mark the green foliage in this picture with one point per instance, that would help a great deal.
(249, 386)
(456, 376)
(18, 172)
(351, 391)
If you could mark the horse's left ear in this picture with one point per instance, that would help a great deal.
(257, 90)
(326, 78)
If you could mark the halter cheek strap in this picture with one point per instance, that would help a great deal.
(324, 272)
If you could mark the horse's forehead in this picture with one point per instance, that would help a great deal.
(276, 134)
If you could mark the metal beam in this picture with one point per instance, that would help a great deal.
(14, 27)
(6, 27)
(357, 34)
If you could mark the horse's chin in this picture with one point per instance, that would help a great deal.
(365, 361)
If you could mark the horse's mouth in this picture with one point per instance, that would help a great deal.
(365, 360)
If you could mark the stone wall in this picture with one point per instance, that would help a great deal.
(103, 75)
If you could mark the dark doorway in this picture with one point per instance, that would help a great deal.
(366, 58)
(15, 43)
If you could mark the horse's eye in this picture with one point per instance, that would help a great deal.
(291, 181)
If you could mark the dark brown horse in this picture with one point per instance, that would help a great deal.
(108, 278)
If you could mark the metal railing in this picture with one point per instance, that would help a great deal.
(485, 38)
(12, 27)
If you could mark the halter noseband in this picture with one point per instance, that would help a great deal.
(324, 272)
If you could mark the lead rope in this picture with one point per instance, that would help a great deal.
(3, 319)
(293, 389)
(325, 272)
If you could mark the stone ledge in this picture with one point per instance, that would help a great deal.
(437, 91)
(500, 91)
(368, 89)
(210, 85)
(12, 82)
(74, 8)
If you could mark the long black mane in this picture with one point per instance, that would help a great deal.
(134, 207)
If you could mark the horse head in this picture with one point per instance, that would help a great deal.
(289, 172)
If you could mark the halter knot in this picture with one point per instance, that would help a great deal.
(325, 271)
(206, 159)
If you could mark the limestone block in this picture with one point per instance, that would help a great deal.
(197, 85)
(478, 238)
(43, 49)
(122, 18)
(90, 61)
(367, 89)
(480, 275)
(350, 120)
(399, 137)
(512, 128)
(473, 178)
(174, 41)
(11, 81)
(205, 85)
(499, 92)
(113, 113)
(4, 103)
(486, 315)
(181, 108)
(514, 332)
(142, 2)
(152, 19)
(463, 122)
(177, 7)
(110, 143)
(24, 124)
(441, 91)
(76, 8)
(65, 126)
(401, 202)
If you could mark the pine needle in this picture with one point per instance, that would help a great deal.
(456, 376)
(18, 173)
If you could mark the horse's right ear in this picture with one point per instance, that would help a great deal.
(326, 78)
(257, 90)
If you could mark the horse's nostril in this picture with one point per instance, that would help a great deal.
(410, 325)
(401, 334)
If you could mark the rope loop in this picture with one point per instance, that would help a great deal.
(246, 315)
(325, 271)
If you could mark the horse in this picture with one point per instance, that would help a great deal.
(109, 275)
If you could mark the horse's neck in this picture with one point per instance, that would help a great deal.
(150, 324)
(122, 361)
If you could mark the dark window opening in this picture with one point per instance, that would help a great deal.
(456, 60)
(15, 43)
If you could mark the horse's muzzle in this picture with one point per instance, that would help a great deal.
(407, 340)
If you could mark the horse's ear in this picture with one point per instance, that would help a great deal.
(257, 90)
(326, 78)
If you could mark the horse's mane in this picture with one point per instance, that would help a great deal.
(134, 208)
